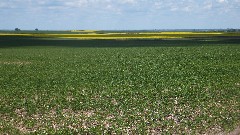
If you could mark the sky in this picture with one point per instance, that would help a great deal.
(119, 14)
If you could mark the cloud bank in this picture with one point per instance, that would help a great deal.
(119, 14)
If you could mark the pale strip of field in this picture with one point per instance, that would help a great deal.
(83, 30)
(120, 33)
(123, 38)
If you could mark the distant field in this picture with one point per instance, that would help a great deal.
(53, 85)
(91, 34)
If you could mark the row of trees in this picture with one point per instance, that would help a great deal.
(17, 29)
(232, 30)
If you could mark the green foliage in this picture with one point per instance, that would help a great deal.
(63, 90)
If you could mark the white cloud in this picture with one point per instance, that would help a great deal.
(222, 1)
(7, 4)
(208, 5)
(187, 9)
(76, 3)
(113, 9)
(158, 4)
(128, 1)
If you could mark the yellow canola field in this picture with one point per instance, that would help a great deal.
(183, 33)
(121, 35)
(194, 33)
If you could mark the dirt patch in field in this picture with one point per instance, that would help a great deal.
(19, 63)
(235, 132)
(83, 120)
(66, 118)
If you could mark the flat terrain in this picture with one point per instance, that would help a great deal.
(57, 85)
(121, 35)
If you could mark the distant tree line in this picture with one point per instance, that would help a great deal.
(17, 29)
(233, 30)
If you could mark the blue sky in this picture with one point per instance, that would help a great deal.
(119, 14)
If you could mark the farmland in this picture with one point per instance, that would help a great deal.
(91, 82)
(90, 35)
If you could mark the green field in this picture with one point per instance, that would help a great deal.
(58, 86)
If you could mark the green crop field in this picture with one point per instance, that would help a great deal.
(119, 86)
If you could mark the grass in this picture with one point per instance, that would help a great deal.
(192, 89)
